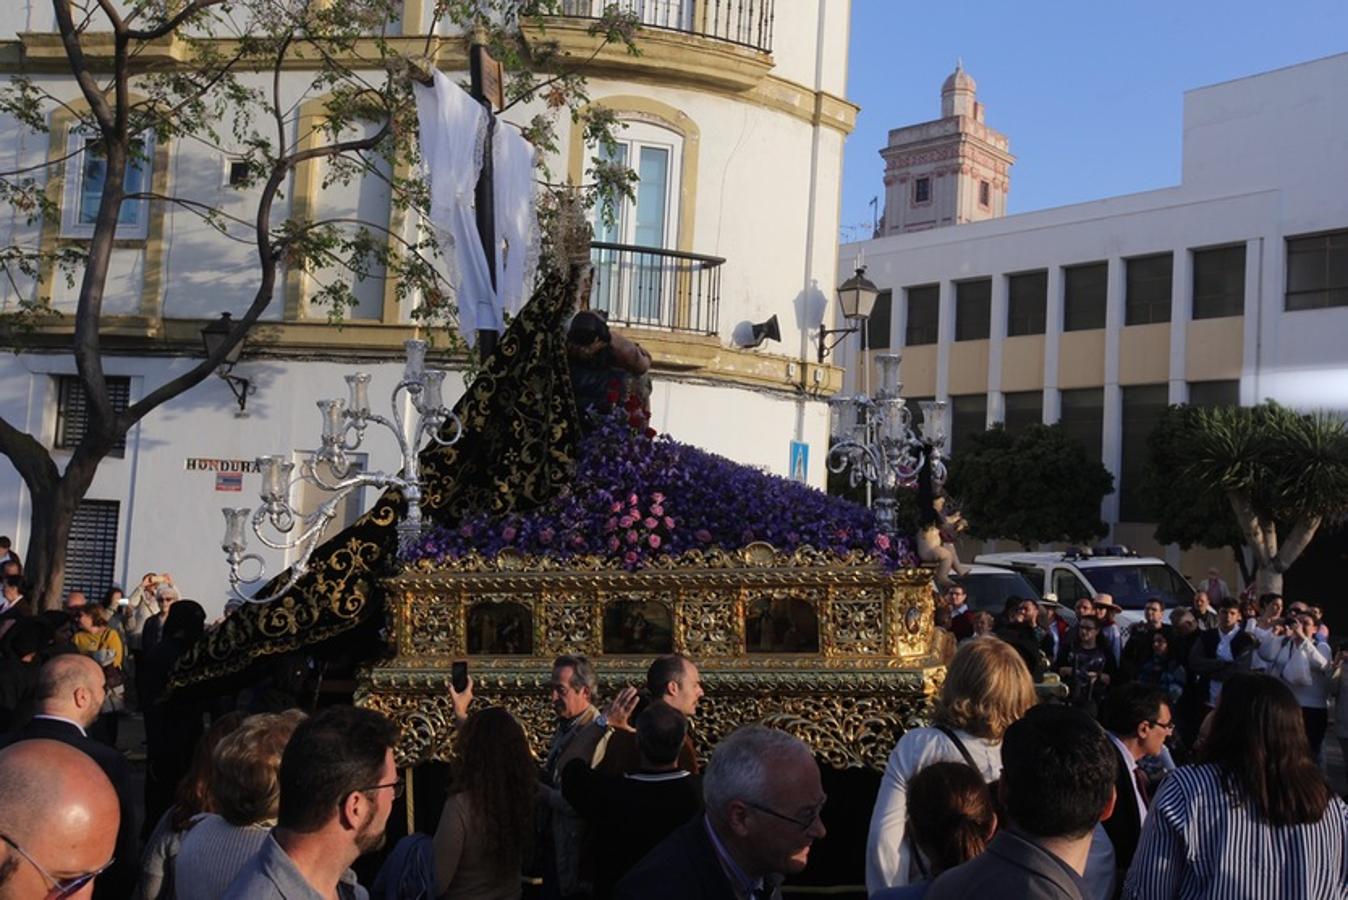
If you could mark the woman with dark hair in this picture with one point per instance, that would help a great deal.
(1161, 669)
(193, 798)
(951, 818)
(484, 837)
(1255, 818)
(172, 725)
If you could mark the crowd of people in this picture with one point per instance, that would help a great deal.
(1182, 760)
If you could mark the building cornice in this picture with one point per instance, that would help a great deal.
(675, 355)
(667, 59)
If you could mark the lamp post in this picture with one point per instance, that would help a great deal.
(874, 438)
(280, 526)
(856, 299)
(213, 337)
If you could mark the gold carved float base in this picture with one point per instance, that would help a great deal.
(838, 651)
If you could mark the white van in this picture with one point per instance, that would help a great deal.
(1130, 579)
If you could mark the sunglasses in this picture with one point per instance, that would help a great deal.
(60, 888)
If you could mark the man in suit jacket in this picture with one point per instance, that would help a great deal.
(1220, 653)
(1138, 719)
(763, 800)
(630, 813)
(69, 696)
(1041, 853)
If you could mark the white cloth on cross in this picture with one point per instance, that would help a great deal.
(453, 138)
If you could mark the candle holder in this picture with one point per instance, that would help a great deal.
(280, 526)
(874, 441)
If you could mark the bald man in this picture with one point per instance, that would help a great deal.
(59, 818)
(70, 691)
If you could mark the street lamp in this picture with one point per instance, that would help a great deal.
(856, 298)
(213, 337)
(344, 421)
(873, 436)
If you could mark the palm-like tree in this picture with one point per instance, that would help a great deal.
(1283, 472)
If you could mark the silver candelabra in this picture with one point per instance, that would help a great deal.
(874, 439)
(344, 425)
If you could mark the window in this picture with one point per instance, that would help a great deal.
(1214, 393)
(1219, 282)
(921, 190)
(924, 311)
(877, 326)
(72, 410)
(636, 287)
(1143, 407)
(1068, 587)
(1023, 408)
(973, 309)
(1147, 298)
(87, 172)
(91, 548)
(968, 416)
(1084, 296)
(984, 193)
(1317, 271)
(1027, 303)
(1083, 418)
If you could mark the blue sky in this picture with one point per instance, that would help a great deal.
(1089, 93)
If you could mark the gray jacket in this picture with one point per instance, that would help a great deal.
(1011, 866)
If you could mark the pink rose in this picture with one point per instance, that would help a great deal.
(630, 557)
(633, 500)
(626, 522)
(882, 541)
(654, 541)
(614, 544)
(611, 524)
(632, 537)
(669, 522)
(651, 523)
(657, 510)
(703, 535)
(616, 507)
(507, 533)
(657, 497)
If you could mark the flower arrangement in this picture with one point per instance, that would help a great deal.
(636, 497)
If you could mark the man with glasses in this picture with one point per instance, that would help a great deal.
(1138, 720)
(961, 616)
(58, 821)
(338, 784)
(764, 801)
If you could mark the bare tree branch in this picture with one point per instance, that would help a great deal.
(171, 25)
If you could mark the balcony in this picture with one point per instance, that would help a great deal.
(647, 287)
(747, 23)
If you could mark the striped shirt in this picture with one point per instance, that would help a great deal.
(1197, 844)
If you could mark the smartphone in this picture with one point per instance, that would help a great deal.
(458, 675)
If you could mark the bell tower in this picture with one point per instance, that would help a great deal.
(950, 170)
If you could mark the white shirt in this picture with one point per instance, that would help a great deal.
(1222, 652)
(888, 852)
(63, 719)
(1131, 765)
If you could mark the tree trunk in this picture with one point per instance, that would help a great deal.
(1268, 581)
(53, 514)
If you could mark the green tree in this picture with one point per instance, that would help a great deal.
(1033, 487)
(1188, 511)
(1283, 474)
(233, 75)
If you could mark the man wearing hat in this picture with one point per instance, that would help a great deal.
(1052, 624)
(1105, 610)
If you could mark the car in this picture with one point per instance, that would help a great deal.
(987, 588)
(1130, 579)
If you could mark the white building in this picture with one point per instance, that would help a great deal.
(1229, 287)
(737, 120)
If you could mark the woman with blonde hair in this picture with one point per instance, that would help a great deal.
(245, 795)
(987, 687)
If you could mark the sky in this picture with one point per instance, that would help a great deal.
(1089, 93)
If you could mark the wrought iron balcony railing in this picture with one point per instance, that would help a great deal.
(647, 287)
(744, 22)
